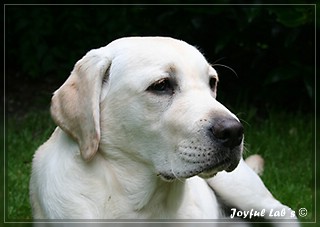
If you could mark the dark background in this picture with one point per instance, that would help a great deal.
(270, 47)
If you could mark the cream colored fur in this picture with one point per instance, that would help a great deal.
(123, 151)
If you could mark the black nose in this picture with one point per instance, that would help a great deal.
(227, 131)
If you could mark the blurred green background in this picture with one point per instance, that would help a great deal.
(270, 47)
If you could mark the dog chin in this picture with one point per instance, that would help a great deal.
(205, 175)
(225, 165)
(211, 172)
(167, 178)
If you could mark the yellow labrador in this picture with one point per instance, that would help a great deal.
(141, 135)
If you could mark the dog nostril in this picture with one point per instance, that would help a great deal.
(228, 131)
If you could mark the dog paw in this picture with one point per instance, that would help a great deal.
(256, 162)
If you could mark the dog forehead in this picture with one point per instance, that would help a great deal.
(154, 50)
(144, 42)
(141, 56)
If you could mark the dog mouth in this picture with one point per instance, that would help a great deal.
(204, 162)
(209, 170)
(226, 164)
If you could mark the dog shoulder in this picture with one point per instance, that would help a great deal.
(58, 146)
(60, 178)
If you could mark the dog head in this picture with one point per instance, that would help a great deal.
(154, 100)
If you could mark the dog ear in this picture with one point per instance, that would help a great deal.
(75, 106)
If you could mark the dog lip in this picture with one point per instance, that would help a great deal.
(211, 171)
(228, 164)
(232, 166)
(166, 177)
(224, 164)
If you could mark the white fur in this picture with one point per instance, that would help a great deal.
(115, 141)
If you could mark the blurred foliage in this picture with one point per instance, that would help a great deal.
(271, 47)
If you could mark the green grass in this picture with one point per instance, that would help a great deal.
(23, 136)
(284, 140)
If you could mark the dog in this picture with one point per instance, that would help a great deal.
(141, 135)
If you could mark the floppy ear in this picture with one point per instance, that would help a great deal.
(75, 105)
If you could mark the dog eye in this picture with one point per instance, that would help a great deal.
(213, 83)
(162, 86)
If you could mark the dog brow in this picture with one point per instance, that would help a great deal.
(212, 72)
(171, 68)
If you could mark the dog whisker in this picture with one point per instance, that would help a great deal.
(243, 121)
(228, 67)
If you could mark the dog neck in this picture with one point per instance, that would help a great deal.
(148, 195)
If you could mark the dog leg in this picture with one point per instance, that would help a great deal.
(244, 190)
